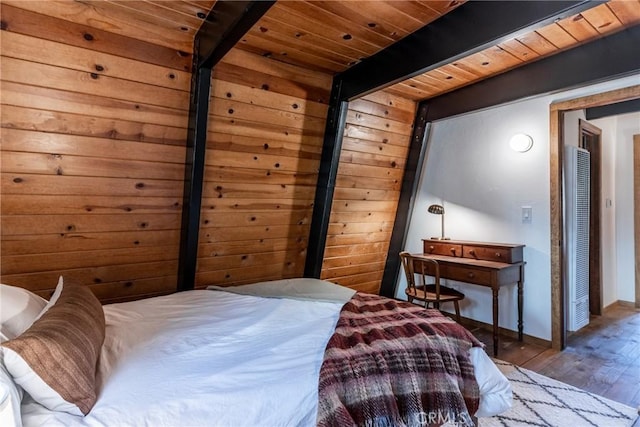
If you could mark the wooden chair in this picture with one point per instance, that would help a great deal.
(415, 267)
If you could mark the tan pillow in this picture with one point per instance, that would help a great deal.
(55, 359)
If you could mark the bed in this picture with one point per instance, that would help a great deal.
(267, 354)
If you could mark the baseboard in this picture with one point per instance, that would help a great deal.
(620, 303)
(466, 322)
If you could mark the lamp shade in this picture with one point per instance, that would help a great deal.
(436, 209)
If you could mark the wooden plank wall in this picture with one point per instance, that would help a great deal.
(374, 151)
(265, 137)
(93, 136)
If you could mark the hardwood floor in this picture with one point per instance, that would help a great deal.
(602, 358)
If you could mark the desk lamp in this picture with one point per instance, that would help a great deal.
(438, 210)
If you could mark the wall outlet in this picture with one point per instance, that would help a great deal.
(527, 214)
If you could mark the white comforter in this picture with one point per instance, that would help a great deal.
(209, 358)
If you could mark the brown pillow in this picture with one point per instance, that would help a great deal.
(55, 360)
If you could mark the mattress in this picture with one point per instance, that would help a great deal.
(218, 358)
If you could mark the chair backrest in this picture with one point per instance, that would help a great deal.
(419, 267)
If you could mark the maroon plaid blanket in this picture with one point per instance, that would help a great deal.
(392, 363)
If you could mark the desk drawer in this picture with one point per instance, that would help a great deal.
(465, 274)
(508, 255)
(442, 248)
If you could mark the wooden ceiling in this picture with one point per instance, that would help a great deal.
(331, 36)
(570, 32)
(169, 23)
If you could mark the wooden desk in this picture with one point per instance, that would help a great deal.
(486, 264)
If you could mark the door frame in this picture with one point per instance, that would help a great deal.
(636, 211)
(556, 149)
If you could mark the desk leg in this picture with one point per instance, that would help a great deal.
(520, 303)
(495, 320)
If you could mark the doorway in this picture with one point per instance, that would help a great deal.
(556, 148)
(590, 139)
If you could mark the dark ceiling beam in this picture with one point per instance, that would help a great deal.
(603, 59)
(470, 28)
(226, 23)
(625, 107)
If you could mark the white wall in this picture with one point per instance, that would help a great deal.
(483, 185)
(617, 142)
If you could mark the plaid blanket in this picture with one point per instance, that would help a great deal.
(392, 363)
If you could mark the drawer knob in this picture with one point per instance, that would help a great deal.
(472, 252)
(453, 250)
(431, 248)
(470, 275)
(498, 255)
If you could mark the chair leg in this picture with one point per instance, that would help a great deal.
(457, 305)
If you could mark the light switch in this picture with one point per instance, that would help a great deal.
(526, 215)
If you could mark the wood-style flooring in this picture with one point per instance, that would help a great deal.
(602, 358)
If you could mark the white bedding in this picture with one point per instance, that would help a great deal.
(220, 359)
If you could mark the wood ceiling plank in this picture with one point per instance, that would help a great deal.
(381, 110)
(66, 56)
(335, 14)
(578, 27)
(430, 81)
(410, 90)
(51, 28)
(516, 48)
(457, 72)
(324, 23)
(627, 11)
(30, 73)
(442, 6)
(557, 35)
(105, 16)
(603, 19)
(295, 34)
(183, 7)
(422, 12)
(392, 17)
(537, 43)
(449, 80)
(382, 97)
(288, 41)
(168, 17)
(269, 49)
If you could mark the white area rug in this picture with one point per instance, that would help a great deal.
(542, 401)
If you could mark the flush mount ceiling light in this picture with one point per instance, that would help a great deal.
(521, 142)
